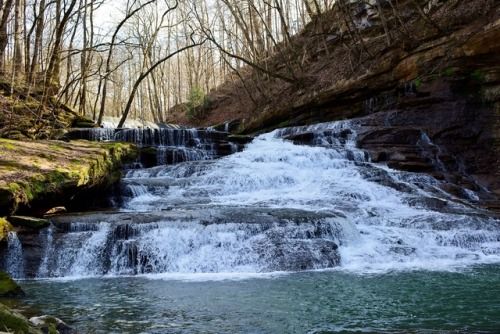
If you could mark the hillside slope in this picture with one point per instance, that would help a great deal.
(338, 73)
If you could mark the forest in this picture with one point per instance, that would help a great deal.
(328, 166)
(138, 59)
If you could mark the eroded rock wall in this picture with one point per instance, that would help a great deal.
(433, 108)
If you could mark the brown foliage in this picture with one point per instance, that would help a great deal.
(330, 56)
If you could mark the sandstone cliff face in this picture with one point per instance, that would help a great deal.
(433, 108)
(448, 124)
(453, 138)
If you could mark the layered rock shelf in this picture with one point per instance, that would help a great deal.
(39, 175)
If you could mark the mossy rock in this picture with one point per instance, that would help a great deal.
(13, 134)
(82, 124)
(14, 322)
(9, 288)
(51, 325)
(5, 228)
(37, 175)
(219, 127)
(31, 222)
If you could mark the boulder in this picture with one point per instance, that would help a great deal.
(30, 222)
(50, 324)
(9, 288)
(14, 322)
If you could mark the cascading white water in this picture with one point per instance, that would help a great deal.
(14, 256)
(277, 206)
(188, 246)
(167, 144)
(403, 220)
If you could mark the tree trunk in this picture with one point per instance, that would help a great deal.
(37, 47)
(18, 55)
(388, 36)
(4, 19)
(52, 74)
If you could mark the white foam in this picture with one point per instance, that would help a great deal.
(388, 225)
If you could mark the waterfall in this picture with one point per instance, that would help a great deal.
(300, 198)
(185, 245)
(166, 145)
(14, 256)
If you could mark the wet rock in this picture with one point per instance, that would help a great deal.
(30, 222)
(8, 287)
(403, 250)
(240, 139)
(51, 325)
(412, 166)
(278, 239)
(147, 156)
(14, 322)
(298, 255)
(305, 138)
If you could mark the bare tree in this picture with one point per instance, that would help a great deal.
(108, 69)
(18, 55)
(5, 9)
(144, 75)
(52, 73)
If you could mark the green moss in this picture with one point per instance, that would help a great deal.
(283, 124)
(417, 82)
(52, 329)
(5, 228)
(477, 75)
(57, 148)
(15, 323)
(9, 288)
(8, 146)
(16, 192)
(31, 222)
(449, 71)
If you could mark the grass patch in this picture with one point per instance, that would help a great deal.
(58, 148)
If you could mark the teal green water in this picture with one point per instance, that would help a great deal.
(309, 302)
